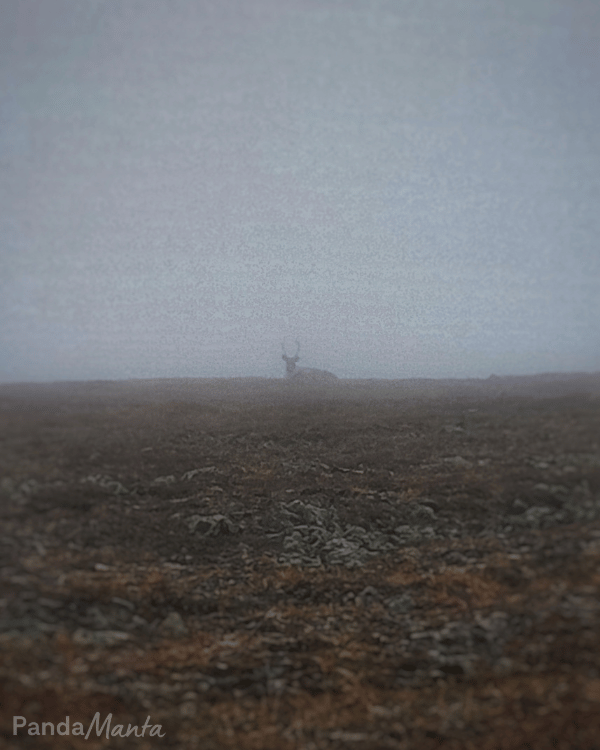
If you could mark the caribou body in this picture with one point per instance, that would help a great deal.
(304, 374)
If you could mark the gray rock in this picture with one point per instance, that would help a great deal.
(173, 625)
(459, 461)
(106, 483)
(367, 596)
(399, 605)
(214, 525)
(455, 558)
(84, 637)
(170, 479)
(315, 536)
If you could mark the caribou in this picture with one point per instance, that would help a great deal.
(304, 374)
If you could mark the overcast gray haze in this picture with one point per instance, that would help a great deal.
(410, 187)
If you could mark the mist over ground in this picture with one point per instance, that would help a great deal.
(409, 189)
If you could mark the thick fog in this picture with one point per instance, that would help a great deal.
(408, 187)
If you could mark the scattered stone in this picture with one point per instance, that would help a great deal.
(455, 558)
(533, 516)
(188, 709)
(106, 483)
(84, 637)
(418, 514)
(368, 596)
(173, 625)
(170, 479)
(123, 602)
(399, 605)
(315, 537)
(194, 472)
(459, 461)
(214, 525)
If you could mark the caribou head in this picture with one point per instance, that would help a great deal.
(290, 362)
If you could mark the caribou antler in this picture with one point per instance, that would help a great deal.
(297, 348)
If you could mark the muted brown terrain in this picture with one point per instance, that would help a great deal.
(254, 565)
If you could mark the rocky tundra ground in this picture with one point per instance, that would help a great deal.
(257, 565)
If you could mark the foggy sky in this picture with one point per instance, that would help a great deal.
(409, 187)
